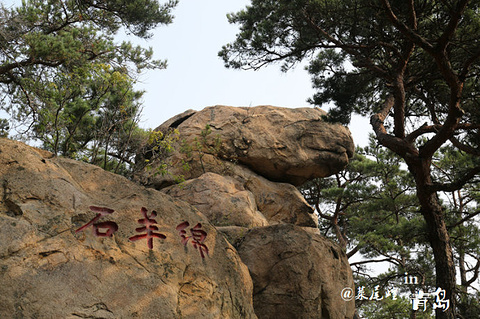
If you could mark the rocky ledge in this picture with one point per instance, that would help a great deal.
(235, 240)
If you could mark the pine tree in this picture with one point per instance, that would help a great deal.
(412, 66)
(68, 84)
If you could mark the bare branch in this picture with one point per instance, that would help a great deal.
(449, 126)
(30, 61)
(398, 145)
(121, 158)
(475, 273)
(468, 63)
(391, 260)
(407, 31)
(353, 251)
(466, 218)
(424, 129)
(327, 217)
(413, 15)
(451, 187)
(463, 147)
(452, 25)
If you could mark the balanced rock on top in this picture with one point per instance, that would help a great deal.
(291, 145)
(241, 166)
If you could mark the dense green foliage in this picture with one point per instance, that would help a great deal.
(413, 66)
(355, 50)
(67, 83)
(371, 209)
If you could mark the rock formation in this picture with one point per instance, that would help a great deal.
(222, 199)
(79, 242)
(243, 165)
(296, 274)
(281, 144)
(58, 260)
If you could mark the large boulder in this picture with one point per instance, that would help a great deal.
(245, 199)
(240, 167)
(222, 199)
(290, 145)
(72, 246)
(236, 204)
(296, 274)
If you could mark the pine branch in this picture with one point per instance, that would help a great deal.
(458, 184)
(400, 146)
(466, 218)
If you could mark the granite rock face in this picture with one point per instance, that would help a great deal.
(266, 149)
(244, 199)
(51, 267)
(222, 199)
(290, 145)
(296, 274)
(102, 246)
(243, 166)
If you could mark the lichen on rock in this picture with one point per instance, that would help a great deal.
(53, 267)
(243, 166)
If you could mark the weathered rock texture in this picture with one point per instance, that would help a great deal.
(223, 200)
(243, 165)
(296, 274)
(47, 270)
(266, 149)
(281, 144)
(243, 168)
(248, 200)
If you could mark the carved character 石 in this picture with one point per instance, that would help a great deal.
(110, 227)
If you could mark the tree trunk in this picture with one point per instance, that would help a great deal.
(437, 233)
(462, 306)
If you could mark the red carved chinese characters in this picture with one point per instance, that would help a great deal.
(198, 237)
(110, 227)
(149, 227)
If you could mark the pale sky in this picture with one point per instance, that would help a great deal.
(196, 77)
